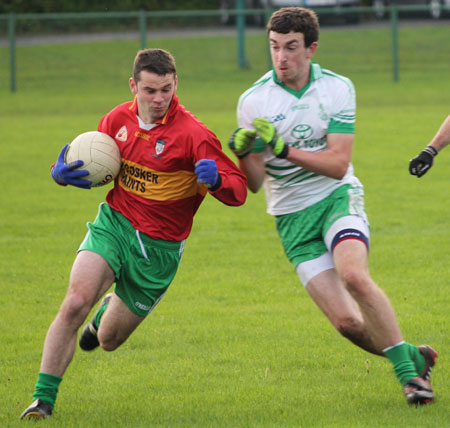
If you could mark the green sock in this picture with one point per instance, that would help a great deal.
(417, 357)
(99, 314)
(46, 388)
(404, 367)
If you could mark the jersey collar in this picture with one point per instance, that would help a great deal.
(170, 112)
(315, 73)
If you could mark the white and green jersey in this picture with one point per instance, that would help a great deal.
(303, 119)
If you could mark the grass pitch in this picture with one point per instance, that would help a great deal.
(236, 342)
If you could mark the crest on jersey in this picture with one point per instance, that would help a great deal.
(159, 146)
(122, 134)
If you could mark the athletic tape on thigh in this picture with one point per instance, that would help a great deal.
(349, 234)
(348, 227)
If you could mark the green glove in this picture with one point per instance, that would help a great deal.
(241, 141)
(268, 134)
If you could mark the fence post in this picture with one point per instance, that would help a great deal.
(12, 50)
(143, 28)
(394, 23)
(240, 23)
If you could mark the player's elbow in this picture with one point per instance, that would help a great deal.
(241, 199)
(253, 189)
(254, 183)
(340, 171)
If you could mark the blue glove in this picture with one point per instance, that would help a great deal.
(64, 173)
(206, 170)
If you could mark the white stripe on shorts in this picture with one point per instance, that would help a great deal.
(141, 244)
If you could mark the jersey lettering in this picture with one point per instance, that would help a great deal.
(157, 185)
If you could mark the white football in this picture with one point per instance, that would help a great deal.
(100, 155)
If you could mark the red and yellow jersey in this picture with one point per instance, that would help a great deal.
(157, 189)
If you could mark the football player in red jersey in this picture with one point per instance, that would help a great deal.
(170, 161)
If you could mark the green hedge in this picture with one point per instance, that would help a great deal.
(50, 6)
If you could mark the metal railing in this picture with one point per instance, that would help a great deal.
(240, 14)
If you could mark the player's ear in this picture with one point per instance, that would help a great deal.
(176, 83)
(312, 48)
(133, 85)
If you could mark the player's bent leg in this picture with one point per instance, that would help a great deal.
(88, 338)
(339, 307)
(117, 324)
(351, 260)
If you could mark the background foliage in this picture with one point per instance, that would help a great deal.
(47, 6)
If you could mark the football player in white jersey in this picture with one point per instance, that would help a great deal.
(295, 138)
(424, 160)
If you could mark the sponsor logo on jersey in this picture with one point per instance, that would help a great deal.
(277, 118)
(143, 135)
(122, 134)
(158, 185)
(302, 132)
(313, 143)
(300, 107)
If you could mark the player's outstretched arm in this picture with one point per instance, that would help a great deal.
(424, 160)
(65, 174)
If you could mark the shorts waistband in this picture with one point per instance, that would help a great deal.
(160, 243)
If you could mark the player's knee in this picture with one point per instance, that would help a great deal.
(109, 343)
(357, 282)
(108, 346)
(74, 309)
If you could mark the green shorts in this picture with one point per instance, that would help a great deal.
(304, 233)
(144, 267)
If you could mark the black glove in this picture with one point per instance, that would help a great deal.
(423, 162)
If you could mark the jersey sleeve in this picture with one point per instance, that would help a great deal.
(102, 126)
(233, 188)
(247, 112)
(344, 108)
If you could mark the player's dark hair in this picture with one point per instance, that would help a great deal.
(156, 61)
(297, 19)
